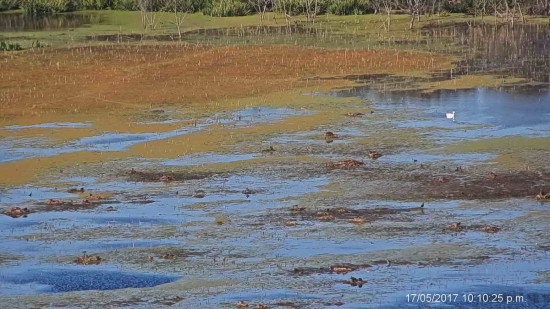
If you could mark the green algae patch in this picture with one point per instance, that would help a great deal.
(543, 276)
(532, 159)
(119, 232)
(398, 138)
(208, 205)
(435, 254)
(501, 145)
(217, 137)
(7, 258)
(470, 82)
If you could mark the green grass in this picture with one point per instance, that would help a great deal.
(332, 31)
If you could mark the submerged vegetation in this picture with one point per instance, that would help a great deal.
(283, 158)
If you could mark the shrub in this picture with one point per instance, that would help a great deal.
(185, 5)
(91, 4)
(5, 46)
(42, 7)
(125, 5)
(349, 7)
(223, 8)
(8, 4)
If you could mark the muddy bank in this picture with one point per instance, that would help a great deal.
(145, 176)
(215, 32)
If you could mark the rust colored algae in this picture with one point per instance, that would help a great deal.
(124, 78)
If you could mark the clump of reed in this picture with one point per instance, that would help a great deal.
(7, 46)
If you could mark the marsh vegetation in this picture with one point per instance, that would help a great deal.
(207, 154)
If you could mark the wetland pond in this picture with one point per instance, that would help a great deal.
(280, 226)
(15, 22)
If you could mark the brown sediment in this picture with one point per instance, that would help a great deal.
(16, 212)
(147, 176)
(59, 205)
(169, 301)
(373, 154)
(357, 216)
(88, 259)
(514, 184)
(333, 269)
(344, 164)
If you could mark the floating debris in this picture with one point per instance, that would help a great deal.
(54, 202)
(358, 282)
(248, 192)
(490, 229)
(356, 114)
(491, 176)
(261, 306)
(373, 154)
(269, 150)
(297, 208)
(199, 194)
(440, 180)
(166, 178)
(16, 212)
(75, 190)
(457, 226)
(242, 304)
(291, 223)
(341, 269)
(88, 259)
(170, 301)
(330, 135)
(326, 218)
(346, 268)
(95, 197)
(334, 269)
(357, 220)
(542, 196)
(344, 164)
(168, 256)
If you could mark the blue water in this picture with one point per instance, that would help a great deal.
(64, 279)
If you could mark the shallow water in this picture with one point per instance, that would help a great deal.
(11, 149)
(53, 279)
(480, 113)
(522, 50)
(14, 22)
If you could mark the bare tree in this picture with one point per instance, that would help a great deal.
(385, 6)
(286, 8)
(148, 18)
(415, 8)
(480, 8)
(180, 8)
(311, 8)
(261, 6)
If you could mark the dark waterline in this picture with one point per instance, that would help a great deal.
(13, 22)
